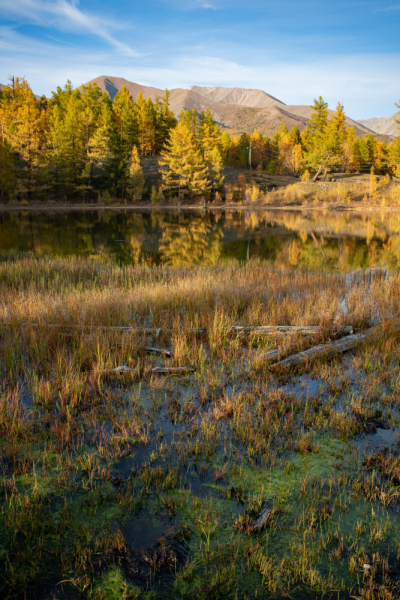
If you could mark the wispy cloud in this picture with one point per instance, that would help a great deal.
(208, 5)
(64, 15)
(388, 8)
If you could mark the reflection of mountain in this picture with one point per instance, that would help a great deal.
(313, 240)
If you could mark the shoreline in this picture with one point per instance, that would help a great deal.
(197, 207)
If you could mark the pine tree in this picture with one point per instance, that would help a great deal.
(335, 138)
(322, 137)
(165, 120)
(25, 135)
(216, 166)
(146, 116)
(226, 143)
(295, 135)
(210, 139)
(125, 117)
(99, 149)
(394, 156)
(191, 120)
(7, 169)
(319, 118)
(136, 180)
(184, 171)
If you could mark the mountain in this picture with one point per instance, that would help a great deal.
(371, 123)
(383, 126)
(238, 96)
(179, 98)
(112, 85)
(234, 109)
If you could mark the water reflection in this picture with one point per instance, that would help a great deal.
(288, 239)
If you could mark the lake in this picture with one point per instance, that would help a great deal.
(312, 240)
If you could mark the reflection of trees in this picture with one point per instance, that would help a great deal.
(289, 240)
(194, 242)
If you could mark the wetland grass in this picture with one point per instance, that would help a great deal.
(141, 485)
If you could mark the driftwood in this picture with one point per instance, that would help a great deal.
(288, 329)
(172, 370)
(260, 520)
(269, 355)
(121, 369)
(160, 351)
(330, 349)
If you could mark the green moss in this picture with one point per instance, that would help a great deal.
(112, 586)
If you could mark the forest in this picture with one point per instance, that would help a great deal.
(80, 146)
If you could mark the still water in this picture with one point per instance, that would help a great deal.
(334, 241)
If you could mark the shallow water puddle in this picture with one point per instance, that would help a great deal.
(143, 530)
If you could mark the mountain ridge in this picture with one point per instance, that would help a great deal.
(236, 118)
(239, 96)
(383, 125)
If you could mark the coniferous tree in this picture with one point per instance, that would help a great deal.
(25, 135)
(165, 120)
(136, 180)
(7, 169)
(394, 156)
(216, 166)
(126, 120)
(184, 171)
(146, 116)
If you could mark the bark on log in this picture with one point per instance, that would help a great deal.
(260, 520)
(330, 349)
(287, 329)
(269, 355)
(121, 369)
(160, 351)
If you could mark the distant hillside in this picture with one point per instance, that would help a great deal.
(112, 85)
(238, 96)
(383, 126)
(371, 123)
(235, 109)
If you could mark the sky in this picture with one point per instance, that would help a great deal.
(345, 51)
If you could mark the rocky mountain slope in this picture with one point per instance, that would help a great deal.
(238, 96)
(383, 126)
(234, 109)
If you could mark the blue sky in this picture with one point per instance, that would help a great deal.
(345, 51)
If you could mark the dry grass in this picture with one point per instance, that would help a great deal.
(83, 451)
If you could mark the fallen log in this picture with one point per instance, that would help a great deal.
(295, 329)
(121, 369)
(269, 355)
(329, 349)
(172, 370)
(160, 351)
(260, 520)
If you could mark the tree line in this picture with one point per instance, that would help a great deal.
(80, 145)
(326, 144)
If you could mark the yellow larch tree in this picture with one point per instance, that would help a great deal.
(183, 169)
